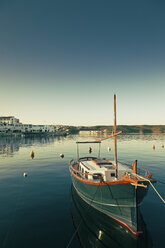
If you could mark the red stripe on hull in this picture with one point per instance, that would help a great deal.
(136, 234)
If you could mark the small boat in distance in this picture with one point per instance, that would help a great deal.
(115, 189)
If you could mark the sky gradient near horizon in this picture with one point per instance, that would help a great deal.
(61, 61)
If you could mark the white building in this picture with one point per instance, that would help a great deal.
(10, 124)
(29, 128)
(11, 120)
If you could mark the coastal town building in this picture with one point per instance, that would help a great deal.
(11, 120)
(38, 128)
(12, 125)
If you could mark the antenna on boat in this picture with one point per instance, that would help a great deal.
(115, 138)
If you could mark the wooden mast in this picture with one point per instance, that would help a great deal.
(115, 143)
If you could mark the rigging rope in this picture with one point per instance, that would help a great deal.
(152, 186)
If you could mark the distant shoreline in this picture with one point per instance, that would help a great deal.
(138, 129)
(94, 130)
(126, 129)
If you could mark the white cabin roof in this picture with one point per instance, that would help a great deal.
(97, 165)
(101, 165)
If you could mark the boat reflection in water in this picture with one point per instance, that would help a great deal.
(95, 229)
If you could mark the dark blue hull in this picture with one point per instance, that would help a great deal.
(98, 230)
(118, 201)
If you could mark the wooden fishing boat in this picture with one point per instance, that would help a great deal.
(116, 189)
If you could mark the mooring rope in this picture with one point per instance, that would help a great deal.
(152, 186)
(81, 221)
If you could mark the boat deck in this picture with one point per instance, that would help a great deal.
(103, 167)
(92, 169)
(94, 165)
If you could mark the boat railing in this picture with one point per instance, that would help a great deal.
(93, 176)
(87, 158)
(141, 174)
(98, 177)
(72, 162)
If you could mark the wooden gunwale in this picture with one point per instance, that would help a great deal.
(123, 181)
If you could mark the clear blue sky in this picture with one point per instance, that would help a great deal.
(62, 61)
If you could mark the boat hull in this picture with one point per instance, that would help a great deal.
(98, 230)
(118, 201)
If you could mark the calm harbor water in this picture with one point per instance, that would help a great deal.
(42, 209)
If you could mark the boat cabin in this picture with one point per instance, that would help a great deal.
(97, 168)
(94, 169)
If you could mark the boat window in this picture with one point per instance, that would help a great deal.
(112, 174)
(104, 163)
(82, 170)
(86, 176)
(96, 176)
